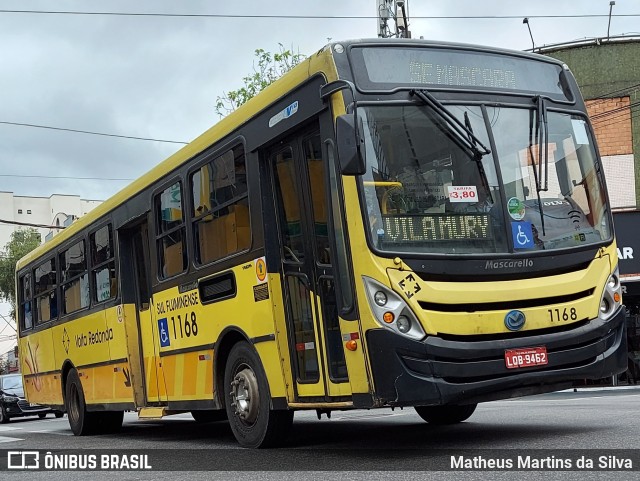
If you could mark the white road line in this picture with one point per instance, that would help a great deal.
(50, 431)
(6, 439)
(9, 428)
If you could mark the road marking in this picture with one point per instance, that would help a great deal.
(8, 428)
(49, 431)
(7, 439)
(370, 416)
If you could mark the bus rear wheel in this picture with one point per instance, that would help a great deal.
(247, 401)
(442, 415)
(81, 421)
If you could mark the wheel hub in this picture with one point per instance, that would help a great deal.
(244, 395)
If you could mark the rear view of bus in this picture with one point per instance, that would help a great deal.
(490, 268)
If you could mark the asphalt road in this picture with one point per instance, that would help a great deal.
(379, 444)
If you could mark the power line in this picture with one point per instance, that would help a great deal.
(89, 132)
(609, 113)
(28, 224)
(636, 115)
(298, 17)
(615, 114)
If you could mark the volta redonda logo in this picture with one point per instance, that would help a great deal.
(508, 264)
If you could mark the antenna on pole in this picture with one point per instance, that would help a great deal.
(398, 11)
(384, 13)
(526, 20)
(402, 19)
(611, 4)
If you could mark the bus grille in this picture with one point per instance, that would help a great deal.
(505, 305)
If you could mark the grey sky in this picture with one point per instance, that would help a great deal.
(159, 77)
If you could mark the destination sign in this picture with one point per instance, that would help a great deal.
(393, 67)
(423, 228)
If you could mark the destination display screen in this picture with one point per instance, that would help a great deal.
(429, 228)
(393, 67)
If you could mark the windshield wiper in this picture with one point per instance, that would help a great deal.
(483, 174)
(541, 140)
(542, 128)
(457, 128)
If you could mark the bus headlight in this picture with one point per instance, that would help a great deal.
(380, 298)
(611, 297)
(404, 324)
(390, 310)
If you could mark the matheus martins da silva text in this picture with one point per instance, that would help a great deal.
(543, 463)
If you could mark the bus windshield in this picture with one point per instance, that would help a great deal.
(426, 192)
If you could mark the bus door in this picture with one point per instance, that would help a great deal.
(142, 336)
(301, 203)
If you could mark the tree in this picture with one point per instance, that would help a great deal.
(22, 242)
(270, 67)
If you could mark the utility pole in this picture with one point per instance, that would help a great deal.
(398, 12)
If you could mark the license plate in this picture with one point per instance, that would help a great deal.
(526, 357)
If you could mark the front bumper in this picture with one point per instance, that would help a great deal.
(436, 371)
(24, 408)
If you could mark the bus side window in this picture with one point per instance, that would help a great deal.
(45, 291)
(103, 266)
(220, 215)
(74, 279)
(25, 302)
(170, 231)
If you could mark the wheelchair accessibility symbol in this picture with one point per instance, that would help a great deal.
(522, 234)
(163, 332)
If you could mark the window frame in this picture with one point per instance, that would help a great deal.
(22, 300)
(36, 296)
(160, 235)
(95, 267)
(71, 280)
(195, 218)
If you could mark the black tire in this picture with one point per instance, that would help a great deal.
(209, 415)
(442, 415)
(4, 419)
(58, 414)
(42, 415)
(82, 423)
(248, 401)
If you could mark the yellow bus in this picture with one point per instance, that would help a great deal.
(392, 223)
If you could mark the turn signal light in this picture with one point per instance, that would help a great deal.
(351, 345)
(388, 317)
(616, 297)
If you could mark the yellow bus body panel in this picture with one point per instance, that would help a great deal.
(492, 321)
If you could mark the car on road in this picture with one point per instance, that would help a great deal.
(12, 401)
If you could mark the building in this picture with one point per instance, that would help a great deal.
(57, 211)
(9, 361)
(608, 73)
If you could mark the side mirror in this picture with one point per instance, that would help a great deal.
(350, 145)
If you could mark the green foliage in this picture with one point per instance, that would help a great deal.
(269, 68)
(22, 242)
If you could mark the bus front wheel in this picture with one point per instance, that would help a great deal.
(441, 415)
(247, 401)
